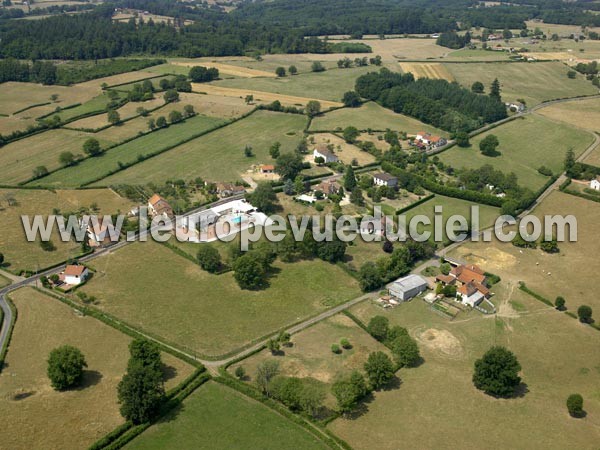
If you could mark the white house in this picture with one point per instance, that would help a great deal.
(74, 275)
(430, 139)
(385, 179)
(158, 206)
(515, 106)
(595, 184)
(407, 287)
(321, 151)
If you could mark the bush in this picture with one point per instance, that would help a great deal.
(379, 369)
(335, 349)
(559, 303)
(209, 258)
(378, 327)
(240, 372)
(584, 313)
(345, 343)
(405, 351)
(496, 373)
(575, 405)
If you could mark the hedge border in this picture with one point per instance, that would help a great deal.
(415, 204)
(11, 326)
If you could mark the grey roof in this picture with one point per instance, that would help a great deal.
(385, 176)
(409, 282)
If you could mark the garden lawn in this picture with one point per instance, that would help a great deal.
(533, 82)
(526, 144)
(174, 298)
(371, 115)
(431, 394)
(228, 421)
(19, 159)
(93, 168)
(219, 156)
(29, 403)
(20, 254)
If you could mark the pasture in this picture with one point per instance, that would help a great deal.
(261, 97)
(16, 96)
(532, 82)
(344, 151)
(96, 104)
(229, 420)
(370, 115)
(90, 169)
(578, 113)
(393, 49)
(310, 356)
(328, 85)
(226, 69)
(466, 54)
(568, 273)
(27, 399)
(12, 123)
(20, 158)
(434, 71)
(219, 155)
(526, 143)
(23, 255)
(209, 313)
(543, 341)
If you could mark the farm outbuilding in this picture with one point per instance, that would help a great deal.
(407, 287)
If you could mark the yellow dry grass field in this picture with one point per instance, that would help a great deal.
(20, 254)
(10, 124)
(242, 72)
(427, 70)
(125, 112)
(561, 30)
(125, 16)
(16, 96)
(582, 113)
(18, 159)
(556, 56)
(121, 78)
(344, 151)
(37, 416)
(261, 96)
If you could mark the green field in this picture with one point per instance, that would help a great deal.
(216, 417)
(174, 298)
(371, 115)
(94, 105)
(422, 413)
(328, 85)
(91, 168)
(18, 159)
(533, 82)
(466, 54)
(219, 156)
(155, 82)
(525, 144)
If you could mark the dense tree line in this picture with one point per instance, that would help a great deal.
(37, 72)
(445, 105)
(453, 40)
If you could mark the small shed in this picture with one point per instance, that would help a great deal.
(407, 287)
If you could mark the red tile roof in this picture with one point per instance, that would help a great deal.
(74, 271)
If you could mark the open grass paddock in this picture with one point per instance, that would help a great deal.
(219, 155)
(228, 420)
(18, 159)
(227, 69)
(91, 168)
(525, 144)
(329, 85)
(568, 273)
(578, 113)
(30, 404)
(370, 115)
(175, 299)
(434, 71)
(533, 82)
(421, 413)
(19, 254)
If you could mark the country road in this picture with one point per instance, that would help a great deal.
(214, 365)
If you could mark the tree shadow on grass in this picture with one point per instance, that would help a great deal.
(175, 407)
(394, 383)
(90, 378)
(169, 372)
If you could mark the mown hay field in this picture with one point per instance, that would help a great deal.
(26, 396)
(434, 71)
(526, 143)
(92, 168)
(208, 313)
(219, 155)
(580, 113)
(227, 69)
(20, 254)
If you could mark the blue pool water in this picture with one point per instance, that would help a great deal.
(237, 219)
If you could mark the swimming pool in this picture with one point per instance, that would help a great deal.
(236, 220)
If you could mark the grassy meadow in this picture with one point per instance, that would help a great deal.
(525, 144)
(20, 254)
(91, 168)
(422, 412)
(30, 404)
(175, 299)
(228, 420)
(578, 113)
(370, 115)
(532, 82)
(219, 156)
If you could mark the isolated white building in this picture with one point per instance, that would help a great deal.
(74, 275)
(595, 184)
